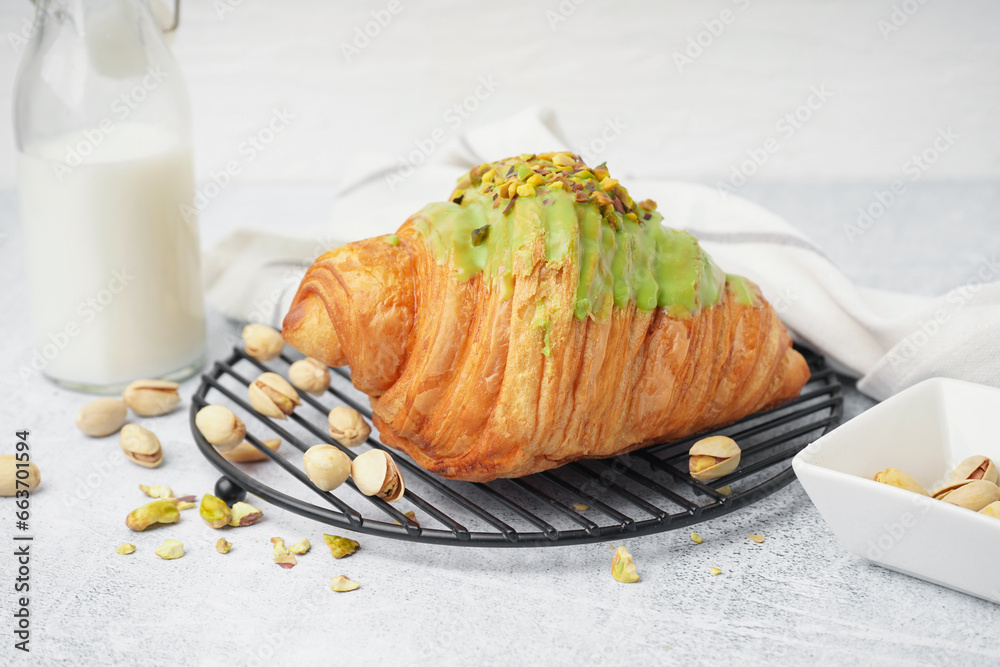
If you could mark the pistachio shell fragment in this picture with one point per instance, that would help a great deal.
(900, 479)
(342, 584)
(974, 494)
(141, 446)
(713, 457)
(220, 426)
(170, 550)
(214, 511)
(125, 549)
(262, 342)
(975, 467)
(347, 426)
(10, 483)
(376, 474)
(623, 567)
(244, 514)
(310, 375)
(340, 547)
(993, 509)
(158, 511)
(223, 545)
(151, 398)
(102, 416)
(247, 453)
(326, 466)
(272, 396)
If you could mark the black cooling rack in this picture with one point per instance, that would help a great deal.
(647, 491)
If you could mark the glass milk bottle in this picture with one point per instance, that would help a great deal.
(106, 188)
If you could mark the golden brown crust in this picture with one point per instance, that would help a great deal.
(457, 377)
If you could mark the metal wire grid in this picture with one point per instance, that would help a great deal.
(544, 509)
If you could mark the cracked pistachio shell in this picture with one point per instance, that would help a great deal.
(220, 426)
(151, 398)
(262, 342)
(900, 479)
(993, 509)
(376, 474)
(102, 416)
(623, 567)
(158, 511)
(8, 475)
(310, 375)
(214, 511)
(347, 426)
(326, 466)
(972, 494)
(713, 457)
(272, 396)
(141, 446)
(975, 467)
(170, 550)
(247, 453)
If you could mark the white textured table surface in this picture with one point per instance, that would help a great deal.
(798, 598)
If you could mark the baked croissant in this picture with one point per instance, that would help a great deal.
(538, 317)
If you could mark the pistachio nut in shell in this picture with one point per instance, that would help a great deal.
(141, 446)
(993, 509)
(974, 494)
(215, 511)
(310, 375)
(272, 396)
(262, 342)
(102, 416)
(347, 426)
(900, 479)
(220, 426)
(623, 567)
(713, 457)
(247, 453)
(326, 466)
(376, 474)
(158, 511)
(17, 475)
(975, 467)
(151, 398)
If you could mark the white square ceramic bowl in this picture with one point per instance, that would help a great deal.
(925, 430)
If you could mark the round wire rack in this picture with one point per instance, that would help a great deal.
(594, 500)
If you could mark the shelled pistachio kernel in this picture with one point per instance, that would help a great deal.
(164, 492)
(151, 398)
(158, 511)
(375, 474)
(342, 584)
(715, 571)
(220, 426)
(326, 466)
(713, 457)
(170, 550)
(125, 549)
(10, 483)
(310, 375)
(141, 446)
(696, 538)
(340, 547)
(273, 396)
(214, 511)
(900, 479)
(223, 545)
(244, 514)
(262, 342)
(300, 547)
(247, 453)
(102, 416)
(759, 539)
(347, 426)
(623, 567)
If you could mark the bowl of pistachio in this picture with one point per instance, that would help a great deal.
(912, 484)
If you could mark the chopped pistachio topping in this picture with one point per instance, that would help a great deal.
(696, 538)
(756, 538)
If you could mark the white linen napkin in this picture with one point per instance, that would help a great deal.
(888, 340)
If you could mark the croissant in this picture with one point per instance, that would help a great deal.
(538, 317)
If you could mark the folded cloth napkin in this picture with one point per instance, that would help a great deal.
(888, 340)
